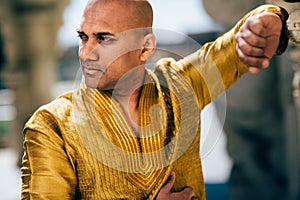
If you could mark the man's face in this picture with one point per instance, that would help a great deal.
(109, 46)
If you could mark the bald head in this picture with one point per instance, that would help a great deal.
(139, 13)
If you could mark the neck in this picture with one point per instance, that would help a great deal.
(128, 95)
(128, 90)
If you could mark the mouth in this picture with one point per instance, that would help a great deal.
(91, 71)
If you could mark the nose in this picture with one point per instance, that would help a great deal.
(89, 51)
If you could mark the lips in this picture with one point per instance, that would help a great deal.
(91, 71)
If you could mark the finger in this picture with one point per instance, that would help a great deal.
(254, 34)
(188, 192)
(257, 27)
(170, 182)
(248, 48)
(259, 62)
(254, 70)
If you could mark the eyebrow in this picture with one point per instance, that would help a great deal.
(80, 32)
(99, 34)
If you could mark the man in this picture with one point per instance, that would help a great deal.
(126, 132)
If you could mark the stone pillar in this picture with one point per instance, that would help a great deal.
(32, 52)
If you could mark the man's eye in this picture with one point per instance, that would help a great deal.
(104, 39)
(83, 37)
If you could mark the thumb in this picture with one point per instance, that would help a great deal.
(170, 182)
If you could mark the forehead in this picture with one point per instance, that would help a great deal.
(112, 16)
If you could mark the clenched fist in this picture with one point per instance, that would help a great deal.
(258, 39)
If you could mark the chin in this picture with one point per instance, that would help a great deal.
(90, 83)
(96, 85)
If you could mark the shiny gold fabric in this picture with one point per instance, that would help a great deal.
(80, 146)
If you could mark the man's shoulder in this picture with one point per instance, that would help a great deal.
(167, 67)
(61, 103)
(57, 110)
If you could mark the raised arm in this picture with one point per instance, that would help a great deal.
(251, 43)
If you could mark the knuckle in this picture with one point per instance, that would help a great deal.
(237, 36)
(244, 49)
(188, 190)
(256, 22)
(255, 25)
(244, 59)
(241, 45)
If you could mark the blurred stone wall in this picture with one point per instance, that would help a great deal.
(29, 29)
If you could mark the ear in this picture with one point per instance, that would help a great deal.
(149, 45)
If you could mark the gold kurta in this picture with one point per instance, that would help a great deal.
(80, 145)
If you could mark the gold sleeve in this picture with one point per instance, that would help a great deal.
(216, 66)
(47, 172)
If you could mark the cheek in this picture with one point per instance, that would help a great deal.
(119, 68)
(133, 58)
(128, 49)
(111, 57)
(127, 61)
